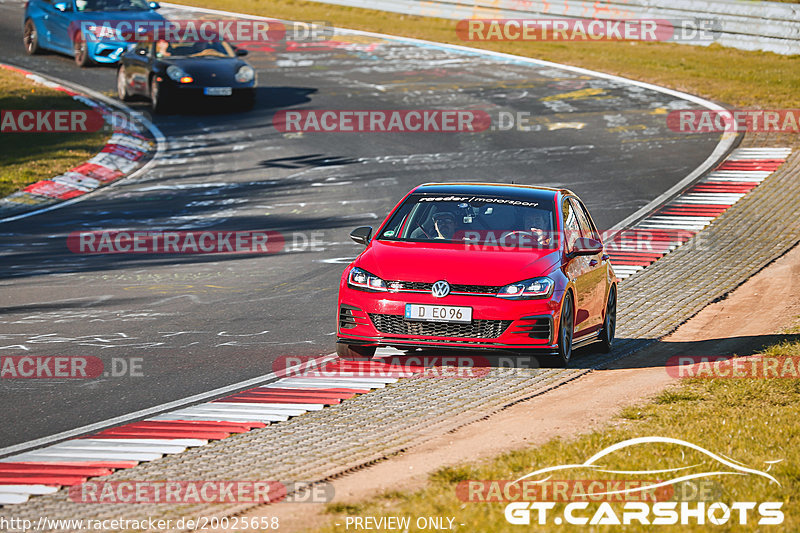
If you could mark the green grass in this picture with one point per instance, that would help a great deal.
(29, 157)
(749, 420)
(735, 77)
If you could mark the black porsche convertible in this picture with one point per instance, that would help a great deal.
(169, 73)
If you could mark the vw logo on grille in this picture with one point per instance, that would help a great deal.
(440, 289)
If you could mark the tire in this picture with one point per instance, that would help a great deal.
(610, 322)
(122, 86)
(566, 330)
(30, 38)
(80, 51)
(351, 352)
(158, 100)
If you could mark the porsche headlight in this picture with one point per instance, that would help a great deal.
(530, 288)
(245, 74)
(178, 74)
(363, 280)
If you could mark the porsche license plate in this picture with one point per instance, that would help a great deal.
(438, 313)
(218, 91)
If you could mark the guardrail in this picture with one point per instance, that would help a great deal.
(747, 25)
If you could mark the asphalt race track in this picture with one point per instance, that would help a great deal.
(197, 322)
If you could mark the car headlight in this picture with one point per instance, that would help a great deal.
(363, 280)
(245, 74)
(530, 288)
(178, 74)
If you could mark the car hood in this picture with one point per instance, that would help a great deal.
(429, 262)
(223, 68)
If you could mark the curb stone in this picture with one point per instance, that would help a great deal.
(131, 145)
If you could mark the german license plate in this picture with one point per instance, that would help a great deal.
(218, 91)
(438, 313)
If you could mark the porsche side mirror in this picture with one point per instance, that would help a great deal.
(241, 52)
(154, 5)
(361, 235)
(586, 246)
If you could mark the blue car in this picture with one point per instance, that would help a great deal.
(68, 26)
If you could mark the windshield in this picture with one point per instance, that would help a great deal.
(111, 5)
(488, 220)
(194, 49)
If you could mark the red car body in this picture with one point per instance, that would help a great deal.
(579, 306)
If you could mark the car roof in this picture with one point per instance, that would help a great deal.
(491, 189)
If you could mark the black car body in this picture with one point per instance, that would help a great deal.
(172, 73)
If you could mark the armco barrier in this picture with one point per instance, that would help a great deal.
(767, 26)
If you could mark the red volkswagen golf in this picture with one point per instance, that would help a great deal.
(479, 266)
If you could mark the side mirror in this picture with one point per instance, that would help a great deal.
(241, 52)
(586, 246)
(154, 5)
(141, 51)
(361, 235)
(61, 6)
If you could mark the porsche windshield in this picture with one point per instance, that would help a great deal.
(493, 221)
(193, 49)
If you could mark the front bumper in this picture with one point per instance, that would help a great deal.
(377, 319)
(106, 52)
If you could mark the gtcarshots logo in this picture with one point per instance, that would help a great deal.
(68, 367)
(600, 502)
(50, 121)
(382, 121)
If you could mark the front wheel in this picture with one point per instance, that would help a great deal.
(30, 38)
(350, 352)
(122, 85)
(81, 51)
(610, 322)
(158, 100)
(566, 329)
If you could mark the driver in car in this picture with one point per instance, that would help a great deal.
(535, 222)
(445, 225)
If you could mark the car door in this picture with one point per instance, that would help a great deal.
(57, 23)
(576, 267)
(595, 271)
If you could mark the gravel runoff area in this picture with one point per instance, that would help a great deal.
(324, 444)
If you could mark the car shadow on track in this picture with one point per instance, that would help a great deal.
(266, 99)
(672, 354)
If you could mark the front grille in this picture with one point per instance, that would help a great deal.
(426, 287)
(479, 329)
